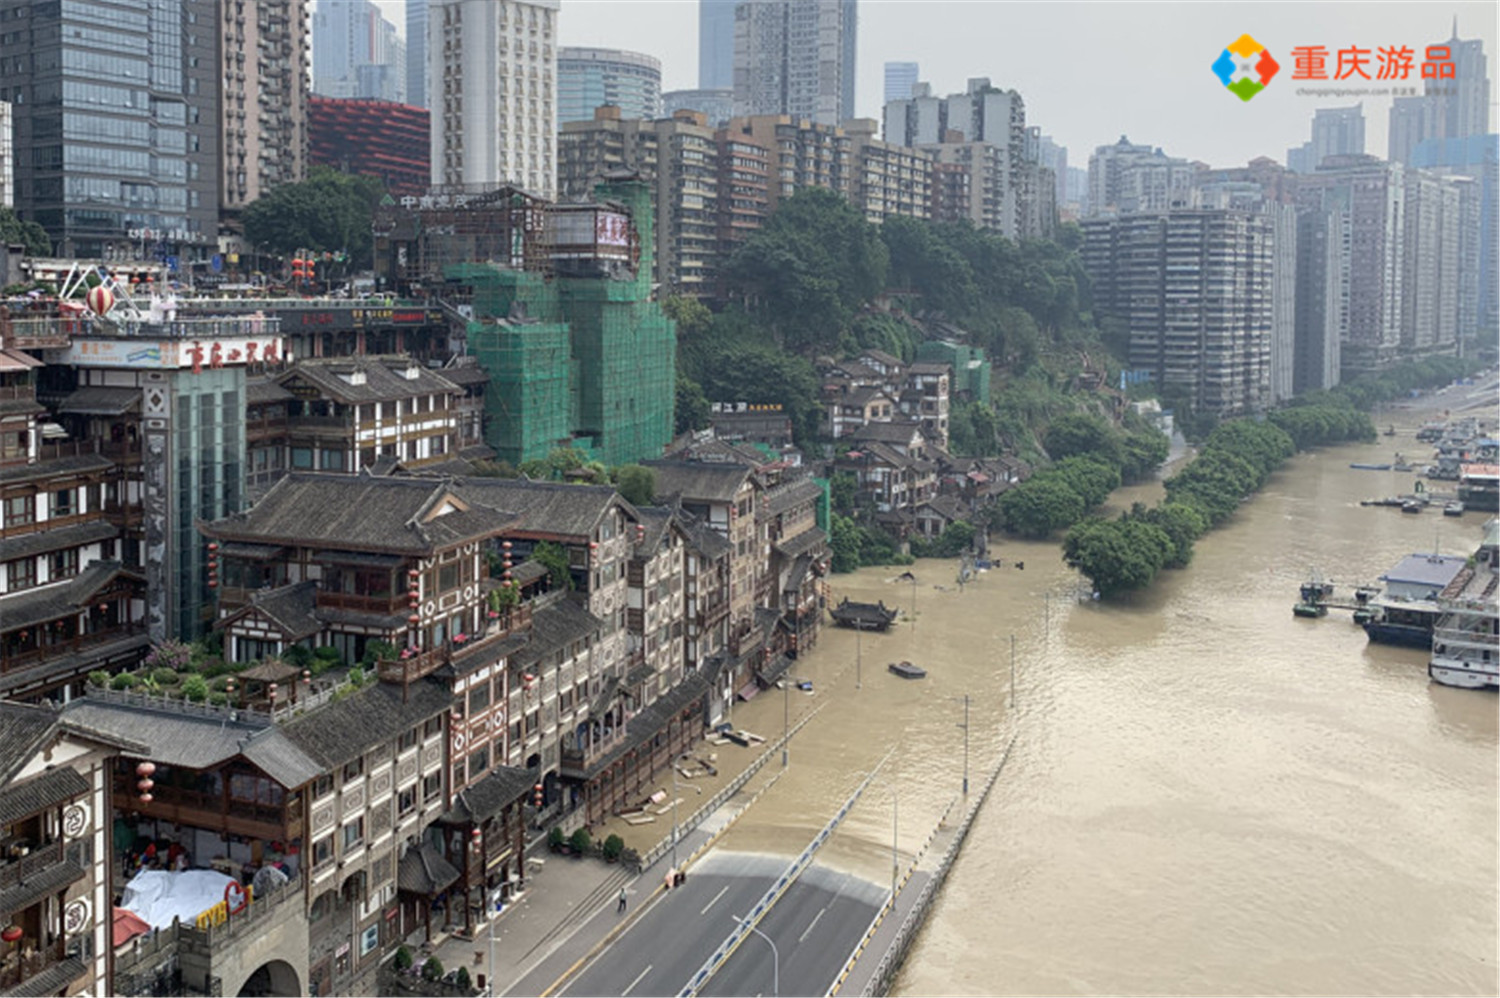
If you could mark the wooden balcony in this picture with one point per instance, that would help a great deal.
(41, 858)
(385, 605)
(213, 811)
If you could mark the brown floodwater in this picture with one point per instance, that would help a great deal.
(1206, 794)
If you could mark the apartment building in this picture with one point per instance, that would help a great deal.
(887, 179)
(795, 57)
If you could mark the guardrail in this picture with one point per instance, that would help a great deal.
(747, 924)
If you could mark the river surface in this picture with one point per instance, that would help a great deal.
(1206, 795)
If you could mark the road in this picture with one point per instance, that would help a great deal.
(816, 925)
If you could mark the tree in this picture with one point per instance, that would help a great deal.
(1079, 433)
(1038, 506)
(844, 541)
(1087, 475)
(554, 559)
(636, 482)
(691, 411)
(28, 234)
(842, 488)
(330, 212)
(1117, 555)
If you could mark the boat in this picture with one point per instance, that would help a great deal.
(1391, 432)
(1316, 591)
(1466, 637)
(1364, 615)
(1310, 610)
(1454, 508)
(1411, 506)
(1402, 464)
(1369, 466)
(1407, 611)
(907, 671)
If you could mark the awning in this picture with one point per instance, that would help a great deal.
(15, 360)
(364, 558)
(250, 552)
(102, 400)
(128, 925)
(748, 691)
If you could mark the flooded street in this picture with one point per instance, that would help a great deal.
(1207, 795)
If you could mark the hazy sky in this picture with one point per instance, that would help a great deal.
(1090, 72)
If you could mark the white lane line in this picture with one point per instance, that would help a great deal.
(636, 981)
(803, 938)
(722, 891)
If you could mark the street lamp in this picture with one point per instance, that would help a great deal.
(858, 652)
(786, 718)
(675, 760)
(965, 726)
(775, 956)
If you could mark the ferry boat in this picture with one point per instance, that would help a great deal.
(1466, 638)
(1407, 611)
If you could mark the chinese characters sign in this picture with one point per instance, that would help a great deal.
(1383, 62)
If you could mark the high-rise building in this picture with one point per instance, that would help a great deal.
(900, 77)
(372, 138)
(1193, 288)
(493, 92)
(356, 52)
(715, 45)
(1452, 106)
(590, 77)
(114, 108)
(716, 106)
(1478, 159)
(1429, 312)
(1336, 131)
(885, 178)
(795, 57)
(1126, 177)
(7, 158)
(1055, 158)
(802, 154)
(917, 119)
(263, 110)
(416, 53)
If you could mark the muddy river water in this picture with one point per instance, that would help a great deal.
(1206, 795)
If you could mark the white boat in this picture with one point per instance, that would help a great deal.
(1466, 638)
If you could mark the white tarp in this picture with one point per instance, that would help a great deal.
(159, 896)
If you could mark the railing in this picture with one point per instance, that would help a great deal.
(72, 646)
(27, 967)
(13, 392)
(40, 858)
(390, 605)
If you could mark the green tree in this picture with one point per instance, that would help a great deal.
(330, 211)
(1038, 506)
(842, 488)
(28, 234)
(1141, 452)
(1117, 555)
(691, 411)
(844, 541)
(554, 559)
(1087, 475)
(1079, 433)
(636, 482)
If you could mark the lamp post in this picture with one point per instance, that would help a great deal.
(675, 760)
(786, 718)
(965, 726)
(775, 956)
(858, 652)
(1012, 672)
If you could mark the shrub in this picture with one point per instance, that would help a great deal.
(461, 978)
(613, 845)
(327, 653)
(123, 681)
(356, 677)
(169, 654)
(581, 841)
(99, 677)
(403, 958)
(630, 857)
(555, 837)
(164, 676)
(432, 970)
(218, 699)
(301, 656)
(195, 687)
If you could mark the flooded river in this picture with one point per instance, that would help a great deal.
(1206, 794)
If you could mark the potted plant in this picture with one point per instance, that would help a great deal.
(556, 840)
(581, 842)
(613, 846)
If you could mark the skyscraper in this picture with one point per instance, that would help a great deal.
(494, 92)
(715, 44)
(795, 57)
(1125, 177)
(590, 77)
(416, 52)
(263, 111)
(115, 109)
(1336, 131)
(899, 79)
(357, 53)
(1452, 107)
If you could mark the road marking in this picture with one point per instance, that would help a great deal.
(722, 891)
(803, 938)
(636, 981)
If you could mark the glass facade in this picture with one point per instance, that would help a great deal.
(588, 78)
(115, 103)
(207, 455)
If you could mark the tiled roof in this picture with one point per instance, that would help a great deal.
(882, 357)
(501, 786)
(705, 540)
(651, 719)
(29, 797)
(785, 497)
(22, 731)
(424, 870)
(474, 375)
(36, 606)
(291, 607)
(102, 400)
(948, 507)
(49, 880)
(699, 481)
(76, 464)
(263, 391)
(363, 513)
(549, 508)
(56, 977)
(893, 433)
(800, 544)
(383, 378)
(553, 628)
(658, 521)
(340, 731)
(928, 367)
(55, 539)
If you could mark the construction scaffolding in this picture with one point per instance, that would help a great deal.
(418, 238)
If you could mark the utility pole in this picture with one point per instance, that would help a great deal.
(1012, 672)
(786, 718)
(966, 744)
(858, 654)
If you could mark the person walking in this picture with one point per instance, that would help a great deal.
(620, 905)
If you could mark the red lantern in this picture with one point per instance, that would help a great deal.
(307, 676)
(593, 545)
(271, 692)
(213, 545)
(144, 786)
(412, 573)
(11, 933)
(213, 583)
(413, 619)
(145, 769)
(146, 798)
(505, 545)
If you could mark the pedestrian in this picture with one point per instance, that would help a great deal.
(620, 905)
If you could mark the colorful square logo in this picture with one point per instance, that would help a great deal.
(1245, 67)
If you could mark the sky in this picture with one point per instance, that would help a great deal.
(1091, 72)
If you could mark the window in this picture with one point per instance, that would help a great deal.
(354, 833)
(21, 573)
(369, 939)
(479, 762)
(63, 502)
(323, 786)
(62, 564)
(354, 770)
(447, 578)
(302, 457)
(432, 786)
(323, 850)
(332, 460)
(432, 726)
(20, 510)
(409, 739)
(479, 698)
(406, 800)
